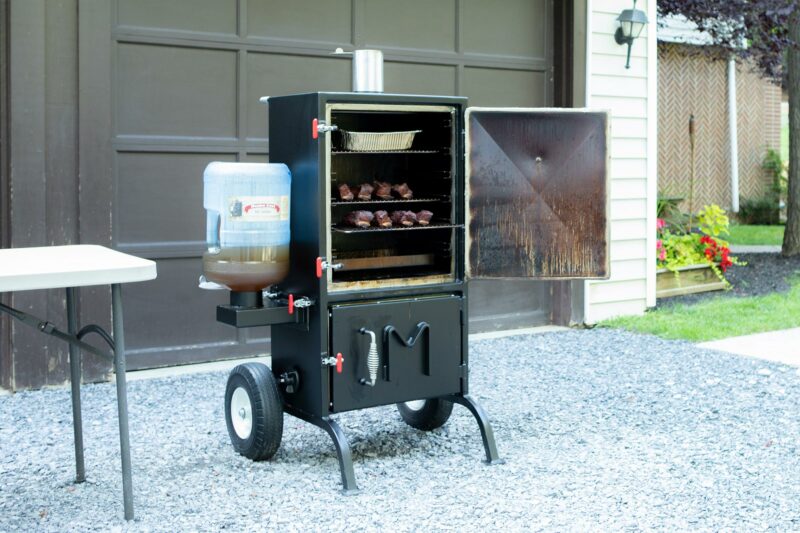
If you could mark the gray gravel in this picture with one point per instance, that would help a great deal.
(601, 430)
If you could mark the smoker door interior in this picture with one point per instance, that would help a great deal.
(537, 193)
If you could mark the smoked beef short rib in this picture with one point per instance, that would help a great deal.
(359, 219)
(382, 219)
(364, 192)
(424, 217)
(402, 191)
(383, 190)
(404, 218)
(345, 193)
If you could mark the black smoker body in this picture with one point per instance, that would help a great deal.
(370, 317)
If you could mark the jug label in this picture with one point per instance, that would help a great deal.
(259, 208)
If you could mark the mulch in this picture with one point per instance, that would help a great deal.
(764, 273)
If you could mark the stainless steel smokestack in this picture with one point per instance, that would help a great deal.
(367, 70)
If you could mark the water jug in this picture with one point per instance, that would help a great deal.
(247, 224)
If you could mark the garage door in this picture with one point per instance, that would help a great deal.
(186, 76)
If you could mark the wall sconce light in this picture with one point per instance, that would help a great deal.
(631, 24)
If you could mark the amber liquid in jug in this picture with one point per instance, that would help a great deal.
(247, 268)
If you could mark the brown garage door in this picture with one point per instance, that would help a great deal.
(186, 76)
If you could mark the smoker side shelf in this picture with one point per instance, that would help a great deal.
(373, 229)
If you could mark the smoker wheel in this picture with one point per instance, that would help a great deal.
(254, 411)
(425, 414)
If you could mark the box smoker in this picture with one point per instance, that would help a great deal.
(373, 308)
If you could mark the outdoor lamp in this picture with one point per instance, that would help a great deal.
(631, 24)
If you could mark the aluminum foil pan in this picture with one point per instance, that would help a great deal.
(361, 141)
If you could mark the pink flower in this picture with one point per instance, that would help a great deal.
(662, 255)
(659, 244)
(660, 224)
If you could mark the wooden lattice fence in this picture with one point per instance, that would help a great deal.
(693, 84)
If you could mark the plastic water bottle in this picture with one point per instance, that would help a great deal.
(247, 224)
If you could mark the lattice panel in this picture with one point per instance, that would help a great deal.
(692, 84)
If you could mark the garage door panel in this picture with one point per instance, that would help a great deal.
(512, 27)
(507, 304)
(172, 311)
(413, 78)
(186, 79)
(208, 16)
(171, 91)
(419, 24)
(276, 74)
(309, 20)
(504, 88)
(160, 196)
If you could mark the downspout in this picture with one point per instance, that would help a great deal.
(587, 101)
(733, 136)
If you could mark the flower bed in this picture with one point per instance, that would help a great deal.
(693, 261)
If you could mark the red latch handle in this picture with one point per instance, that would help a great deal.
(339, 361)
(319, 267)
(314, 129)
(291, 304)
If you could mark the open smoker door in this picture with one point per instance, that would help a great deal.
(537, 192)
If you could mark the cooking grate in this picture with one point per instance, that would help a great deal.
(374, 229)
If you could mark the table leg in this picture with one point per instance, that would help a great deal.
(122, 400)
(75, 382)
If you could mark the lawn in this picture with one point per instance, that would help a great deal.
(743, 234)
(719, 317)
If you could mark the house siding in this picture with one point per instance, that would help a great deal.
(630, 96)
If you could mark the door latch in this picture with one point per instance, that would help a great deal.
(325, 265)
(337, 361)
(320, 126)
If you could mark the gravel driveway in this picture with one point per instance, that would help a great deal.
(601, 430)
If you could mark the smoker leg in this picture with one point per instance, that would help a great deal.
(492, 457)
(75, 383)
(349, 485)
(122, 400)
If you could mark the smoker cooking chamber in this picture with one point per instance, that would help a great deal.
(396, 256)
(514, 194)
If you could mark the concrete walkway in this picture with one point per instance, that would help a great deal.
(755, 249)
(781, 346)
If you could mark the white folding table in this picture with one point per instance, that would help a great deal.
(69, 267)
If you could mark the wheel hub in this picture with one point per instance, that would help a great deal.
(243, 409)
(415, 405)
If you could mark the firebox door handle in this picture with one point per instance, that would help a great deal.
(373, 360)
(422, 328)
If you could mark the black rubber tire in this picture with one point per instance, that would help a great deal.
(267, 411)
(433, 414)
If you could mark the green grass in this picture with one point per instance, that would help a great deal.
(718, 318)
(755, 235)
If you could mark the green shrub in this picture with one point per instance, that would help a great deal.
(668, 210)
(759, 211)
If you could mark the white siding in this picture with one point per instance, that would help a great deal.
(630, 96)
